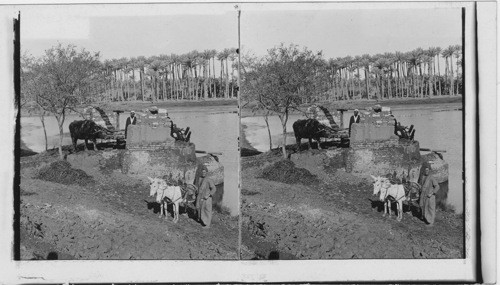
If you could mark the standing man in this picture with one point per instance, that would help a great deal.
(206, 189)
(130, 120)
(430, 187)
(354, 119)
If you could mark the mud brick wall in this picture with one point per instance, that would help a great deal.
(146, 136)
(382, 158)
(151, 120)
(373, 127)
(178, 162)
(370, 132)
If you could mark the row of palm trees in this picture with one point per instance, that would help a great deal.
(211, 74)
(415, 73)
(191, 76)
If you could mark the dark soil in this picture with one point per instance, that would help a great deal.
(111, 218)
(62, 172)
(338, 219)
(285, 171)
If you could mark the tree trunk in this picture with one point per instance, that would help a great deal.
(266, 119)
(135, 87)
(389, 88)
(221, 73)
(227, 80)
(205, 82)
(284, 120)
(451, 77)
(367, 83)
(214, 94)
(164, 93)
(42, 119)
(60, 122)
(128, 86)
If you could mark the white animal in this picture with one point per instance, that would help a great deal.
(165, 192)
(389, 192)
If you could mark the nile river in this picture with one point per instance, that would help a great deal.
(213, 129)
(438, 128)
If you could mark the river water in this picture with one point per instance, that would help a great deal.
(438, 128)
(214, 129)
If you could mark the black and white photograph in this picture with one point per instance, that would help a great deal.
(352, 131)
(248, 142)
(129, 132)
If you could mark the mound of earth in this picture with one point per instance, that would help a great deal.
(62, 172)
(285, 171)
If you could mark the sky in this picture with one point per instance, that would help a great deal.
(131, 30)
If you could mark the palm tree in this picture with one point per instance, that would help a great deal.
(213, 54)
(365, 62)
(108, 67)
(447, 53)
(390, 60)
(234, 66)
(206, 55)
(116, 66)
(140, 63)
(189, 62)
(438, 53)
(165, 63)
(222, 56)
(153, 72)
(175, 61)
(457, 53)
(400, 59)
(432, 52)
(333, 66)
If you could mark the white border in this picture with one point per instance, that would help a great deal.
(488, 106)
(261, 271)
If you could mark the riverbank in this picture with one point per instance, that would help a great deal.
(139, 105)
(81, 209)
(127, 106)
(334, 219)
(442, 102)
(246, 149)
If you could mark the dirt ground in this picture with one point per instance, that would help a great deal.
(108, 215)
(335, 220)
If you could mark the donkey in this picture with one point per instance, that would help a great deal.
(389, 193)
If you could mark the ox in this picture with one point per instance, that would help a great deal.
(309, 129)
(86, 130)
(389, 193)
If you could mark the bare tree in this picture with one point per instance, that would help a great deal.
(62, 77)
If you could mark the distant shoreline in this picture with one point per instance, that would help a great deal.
(445, 102)
(127, 106)
(132, 105)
